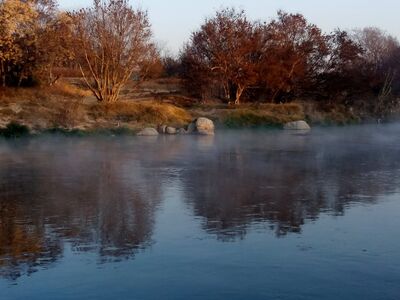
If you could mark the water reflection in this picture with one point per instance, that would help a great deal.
(89, 194)
(101, 195)
(286, 179)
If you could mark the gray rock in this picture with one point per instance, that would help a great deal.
(148, 132)
(204, 126)
(162, 129)
(170, 130)
(182, 131)
(191, 127)
(297, 125)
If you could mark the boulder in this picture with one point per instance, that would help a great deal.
(148, 132)
(297, 125)
(204, 126)
(170, 130)
(162, 129)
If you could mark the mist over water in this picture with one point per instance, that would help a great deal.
(242, 215)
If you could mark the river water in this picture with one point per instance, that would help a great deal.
(242, 215)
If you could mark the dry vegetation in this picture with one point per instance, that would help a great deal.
(265, 115)
(64, 106)
(42, 108)
(144, 113)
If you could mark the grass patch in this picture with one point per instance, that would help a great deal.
(68, 90)
(60, 105)
(148, 113)
(61, 89)
(267, 115)
(329, 114)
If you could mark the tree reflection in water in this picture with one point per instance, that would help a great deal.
(286, 179)
(100, 195)
(86, 194)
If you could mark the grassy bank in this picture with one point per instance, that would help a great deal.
(265, 115)
(68, 109)
(275, 115)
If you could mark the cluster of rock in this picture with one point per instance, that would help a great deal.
(201, 126)
(204, 126)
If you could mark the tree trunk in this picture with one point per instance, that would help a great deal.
(3, 74)
(239, 91)
(227, 91)
(275, 95)
(52, 80)
(21, 77)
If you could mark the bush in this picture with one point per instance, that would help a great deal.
(14, 130)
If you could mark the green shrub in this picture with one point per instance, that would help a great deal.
(14, 130)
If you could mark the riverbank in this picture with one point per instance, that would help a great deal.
(68, 109)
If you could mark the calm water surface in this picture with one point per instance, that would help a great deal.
(242, 215)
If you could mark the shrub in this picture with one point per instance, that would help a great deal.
(14, 130)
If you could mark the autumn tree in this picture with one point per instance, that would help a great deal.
(54, 42)
(111, 42)
(223, 49)
(341, 74)
(198, 80)
(26, 36)
(172, 66)
(17, 36)
(343, 52)
(294, 52)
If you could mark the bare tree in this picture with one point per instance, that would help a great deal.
(294, 51)
(378, 46)
(111, 42)
(17, 34)
(382, 67)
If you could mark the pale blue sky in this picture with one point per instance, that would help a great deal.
(174, 20)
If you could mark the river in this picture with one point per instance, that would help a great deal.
(247, 214)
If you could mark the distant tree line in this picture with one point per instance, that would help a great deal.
(230, 57)
(233, 58)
